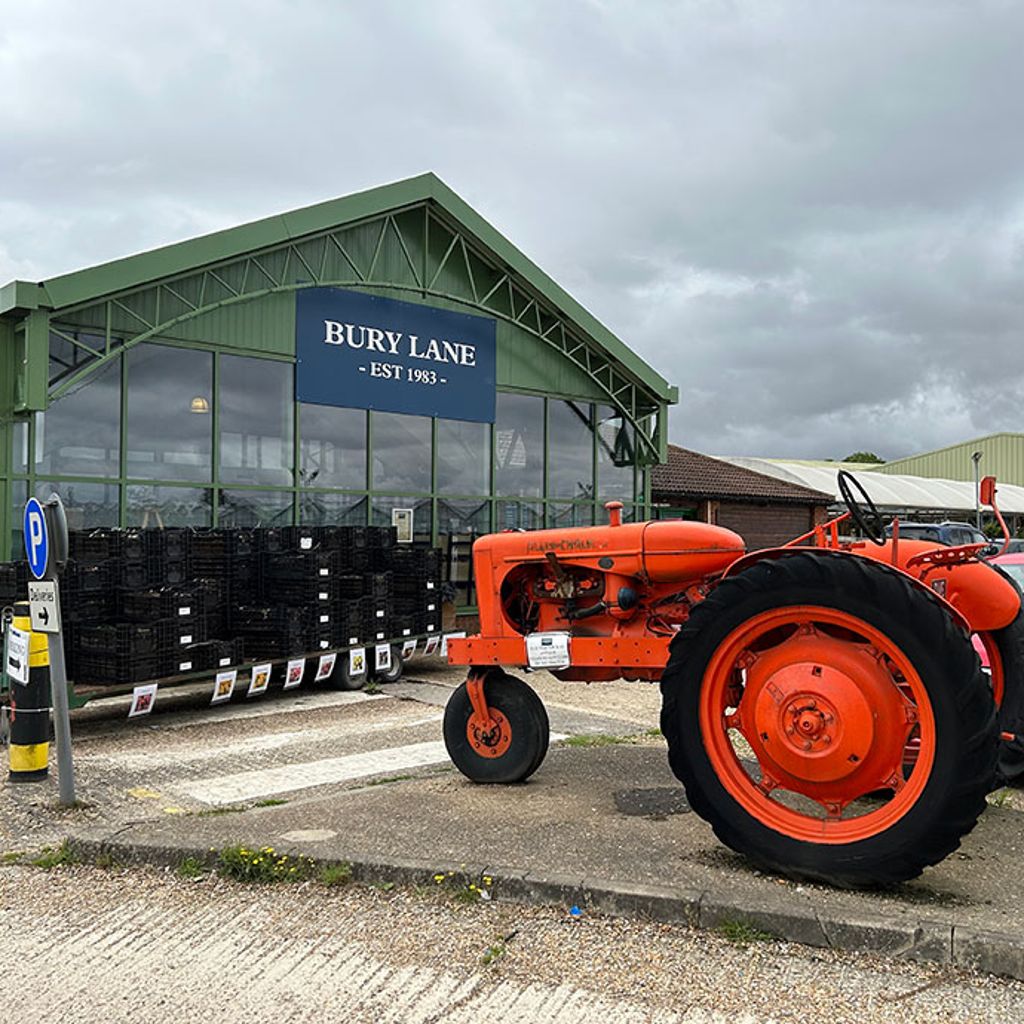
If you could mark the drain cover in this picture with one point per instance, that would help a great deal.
(652, 803)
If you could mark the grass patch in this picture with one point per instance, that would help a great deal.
(262, 865)
(271, 802)
(216, 812)
(383, 886)
(464, 890)
(740, 933)
(51, 857)
(596, 739)
(335, 874)
(190, 867)
(12, 857)
(372, 686)
(999, 799)
(654, 733)
(389, 778)
(493, 953)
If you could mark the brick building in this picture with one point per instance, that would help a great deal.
(763, 510)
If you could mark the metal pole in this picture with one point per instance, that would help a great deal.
(61, 720)
(976, 459)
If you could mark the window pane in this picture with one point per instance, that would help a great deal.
(255, 399)
(463, 457)
(615, 455)
(332, 447)
(86, 505)
(255, 508)
(421, 517)
(169, 401)
(326, 509)
(519, 446)
(570, 450)
(80, 434)
(459, 523)
(19, 447)
(156, 507)
(566, 514)
(518, 515)
(401, 452)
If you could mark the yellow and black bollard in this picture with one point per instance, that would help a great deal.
(29, 750)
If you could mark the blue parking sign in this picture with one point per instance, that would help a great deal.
(36, 541)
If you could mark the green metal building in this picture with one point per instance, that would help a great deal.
(160, 389)
(1002, 456)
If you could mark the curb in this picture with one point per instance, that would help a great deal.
(934, 941)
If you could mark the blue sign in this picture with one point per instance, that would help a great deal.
(37, 545)
(367, 352)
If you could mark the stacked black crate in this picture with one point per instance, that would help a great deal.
(377, 606)
(304, 577)
(13, 583)
(349, 611)
(178, 612)
(416, 589)
(87, 591)
(209, 562)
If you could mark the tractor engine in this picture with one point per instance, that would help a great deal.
(619, 580)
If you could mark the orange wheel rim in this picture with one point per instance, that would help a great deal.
(835, 715)
(489, 740)
(997, 673)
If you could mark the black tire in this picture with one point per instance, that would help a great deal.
(528, 719)
(1010, 643)
(966, 738)
(394, 673)
(342, 679)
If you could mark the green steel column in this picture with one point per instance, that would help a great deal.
(7, 398)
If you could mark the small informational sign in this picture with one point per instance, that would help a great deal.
(401, 520)
(382, 657)
(325, 666)
(408, 649)
(143, 699)
(224, 686)
(357, 661)
(548, 650)
(16, 665)
(294, 672)
(446, 638)
(259, 681)
(44, 606)
(432, 645)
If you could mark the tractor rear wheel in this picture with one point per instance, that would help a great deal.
(789, 700)
(515, 745)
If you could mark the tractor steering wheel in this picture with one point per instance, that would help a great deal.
(868, 518)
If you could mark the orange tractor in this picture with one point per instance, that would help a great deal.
(823, 703)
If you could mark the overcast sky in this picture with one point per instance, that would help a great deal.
(807, 215)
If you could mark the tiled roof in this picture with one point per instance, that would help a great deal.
(692, 475)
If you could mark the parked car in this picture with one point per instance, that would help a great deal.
(950, 534)
(1015, 546)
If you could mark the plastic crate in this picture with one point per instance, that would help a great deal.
(116, 668)
(206, 656)
(91, 547)
(350, 587)
(296, 566)
(177, 633)
(171, 545)
(167, 603)
(127, 639)
(377, 585)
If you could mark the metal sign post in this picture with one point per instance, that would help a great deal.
(46, 545)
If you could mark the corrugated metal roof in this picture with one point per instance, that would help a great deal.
(888, 491)
(1001, 454)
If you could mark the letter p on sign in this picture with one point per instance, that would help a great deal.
(36, 545)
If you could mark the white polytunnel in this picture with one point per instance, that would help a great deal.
(888, 491)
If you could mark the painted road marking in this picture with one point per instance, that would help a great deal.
(264, 782)
(180, 755)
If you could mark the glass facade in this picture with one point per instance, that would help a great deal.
(172, 434)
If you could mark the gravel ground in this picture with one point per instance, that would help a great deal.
(97, 944)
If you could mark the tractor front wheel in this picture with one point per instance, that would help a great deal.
(511, 745)
(791, 700)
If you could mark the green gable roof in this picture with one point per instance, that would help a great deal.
(118, 276)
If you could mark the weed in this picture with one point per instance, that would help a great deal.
(595, 739)
(262, 865)
(191, 867)
(54, 856)
(105, 861)
(741, 933)
(271, 802)
(493, 953)
(387, 886)
(463, 891)
(216, 812)
(335, 874)
(654, 733)
(12, 857)
(389, 778)
(999, 799)
(372, 686)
